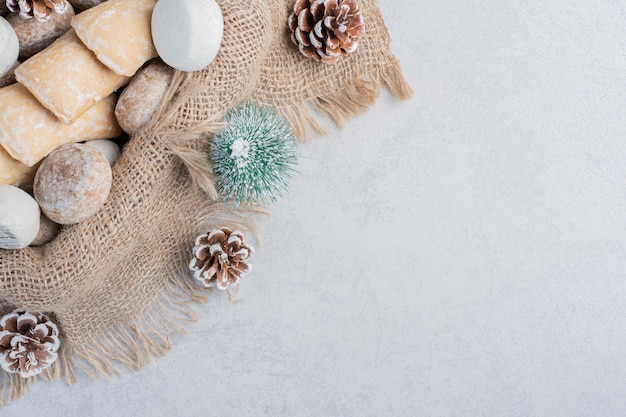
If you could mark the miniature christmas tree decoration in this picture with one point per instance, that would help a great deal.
(326, 30)
(39, 9)
(219, 258)
(28, 343)
(253, 158)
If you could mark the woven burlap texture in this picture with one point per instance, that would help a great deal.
(117, 284)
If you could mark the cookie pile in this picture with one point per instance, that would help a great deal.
(75, 80)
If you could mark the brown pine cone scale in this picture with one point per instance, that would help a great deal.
(39, 9)
(326, 30)
(220, 258)
(28, 343)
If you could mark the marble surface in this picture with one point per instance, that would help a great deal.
(459, 254)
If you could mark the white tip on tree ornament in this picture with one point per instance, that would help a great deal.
(187, 34)
(9, 46)
(254, 156)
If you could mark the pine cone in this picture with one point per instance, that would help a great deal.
(39, 9)
(28, 343)
(326, 30)
(219, 258)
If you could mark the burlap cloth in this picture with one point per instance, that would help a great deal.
(117, 284)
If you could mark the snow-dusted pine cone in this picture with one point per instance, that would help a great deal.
(219, 258)
(326, 30)
(39, 9)
(28, 343)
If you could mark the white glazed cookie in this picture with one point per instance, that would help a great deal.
(13, 171)
(19, 218)
(9, 46)
(109, 149)
(187, 34)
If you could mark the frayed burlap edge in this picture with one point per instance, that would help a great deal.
(135, 343)
(349, 100)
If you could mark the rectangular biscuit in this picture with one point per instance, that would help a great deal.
(67, 78)
(29, 132)
(119, 33)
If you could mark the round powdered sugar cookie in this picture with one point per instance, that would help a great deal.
(72, 183)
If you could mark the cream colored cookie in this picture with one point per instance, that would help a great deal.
(118, 32)
(28, 132)
(13, 171)
(67, 78)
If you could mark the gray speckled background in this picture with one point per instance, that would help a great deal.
(460, 254)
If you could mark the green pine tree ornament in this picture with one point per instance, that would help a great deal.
(254, 156)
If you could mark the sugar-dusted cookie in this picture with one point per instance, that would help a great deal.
(143, 95)
(13, 171)
(67, 78)
(118, 32)
(28, 132)
(72, 183)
